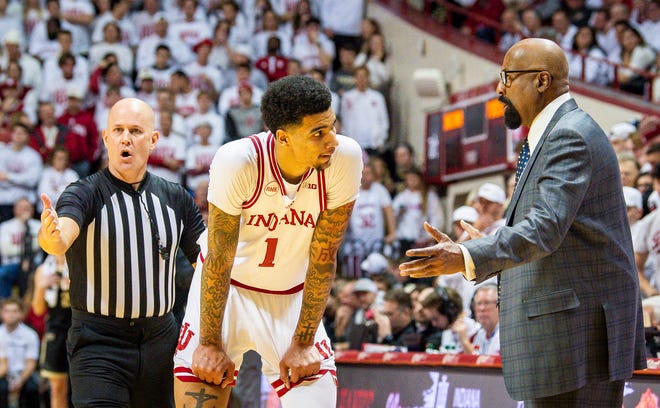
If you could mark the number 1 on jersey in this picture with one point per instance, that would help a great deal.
(271, 244)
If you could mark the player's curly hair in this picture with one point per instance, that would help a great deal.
(287, 101)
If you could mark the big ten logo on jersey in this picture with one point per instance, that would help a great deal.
(272, 189)
(184, 337)
(311, 186)
(324, 349)
(292, 217)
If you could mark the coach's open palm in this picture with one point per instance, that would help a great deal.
(443, 258)
(299, 362)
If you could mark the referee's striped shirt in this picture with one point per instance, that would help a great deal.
(123, 262)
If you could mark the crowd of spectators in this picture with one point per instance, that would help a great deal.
(607, 42)
(203, 66)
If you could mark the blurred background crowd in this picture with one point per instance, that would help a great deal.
(203, 66)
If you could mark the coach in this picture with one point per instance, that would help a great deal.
(120, 229)
(570, 308)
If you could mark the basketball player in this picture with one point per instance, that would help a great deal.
(279, 203)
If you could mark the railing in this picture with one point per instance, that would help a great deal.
(449, 11)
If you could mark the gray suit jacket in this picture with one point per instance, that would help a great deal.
(570, 306)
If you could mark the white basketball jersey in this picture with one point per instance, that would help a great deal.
(276, 230)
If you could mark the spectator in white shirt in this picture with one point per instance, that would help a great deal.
(185, 98)
(206, 114)
(168, 157)
(20, 169)
(489, 203)
(56, 176)
(22, 345)
(56, 89)
(487, 339)
(650, 28)
(230, 98)
(240, 31)
(511, 29)
(146, 90)
(144, 20)
(565, 31)
(271, 27)
(364, 114)
(202, 74)
(377, 59)
(587, 61)
(162, 69)
(13, 43)
(9, 22)
(111, 44)
(51, 65)
(191, 30)
(43, 43)
(119, 14)
(146, 51)
(635, 55)
(80, 15)
(342, 23)
(313, 48)
(412, 207)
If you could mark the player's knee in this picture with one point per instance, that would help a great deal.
(191, 394)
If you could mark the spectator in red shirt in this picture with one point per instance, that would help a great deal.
(13, 93)
(48, 133)
(82, 127)
(273, 64)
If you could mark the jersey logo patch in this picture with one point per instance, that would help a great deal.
(271, 189)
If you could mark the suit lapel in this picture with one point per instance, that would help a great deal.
(563, 109)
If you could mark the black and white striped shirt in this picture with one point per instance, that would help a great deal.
(115, 265)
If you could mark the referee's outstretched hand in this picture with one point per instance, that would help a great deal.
(49, 221)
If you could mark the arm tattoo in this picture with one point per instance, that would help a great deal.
(327, 237)
(216, 273)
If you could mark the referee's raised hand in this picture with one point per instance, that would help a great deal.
(56, 234)
(49, 221)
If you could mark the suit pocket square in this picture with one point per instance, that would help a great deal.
(559, 301)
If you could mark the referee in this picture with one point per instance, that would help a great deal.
(120, 229)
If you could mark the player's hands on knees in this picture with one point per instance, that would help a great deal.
(299, 362)
(212, 365)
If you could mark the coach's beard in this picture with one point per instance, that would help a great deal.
(512, 118)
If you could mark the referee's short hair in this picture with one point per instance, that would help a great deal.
(287, 101)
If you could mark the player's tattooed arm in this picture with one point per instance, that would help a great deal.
(326, 240)
(223, 239)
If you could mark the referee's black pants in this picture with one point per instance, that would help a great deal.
(121, 362)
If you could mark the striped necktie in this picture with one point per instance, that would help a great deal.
(523, 158)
